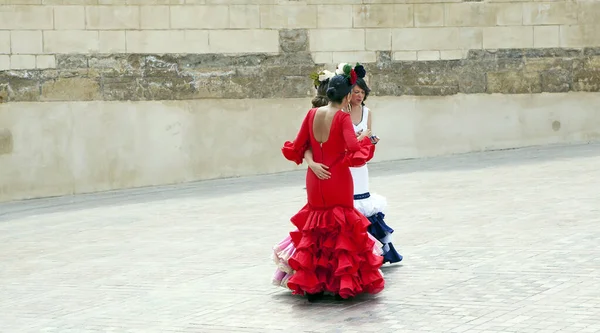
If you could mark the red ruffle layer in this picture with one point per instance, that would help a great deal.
(334, 253)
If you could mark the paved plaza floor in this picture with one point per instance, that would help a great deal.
(504, 241)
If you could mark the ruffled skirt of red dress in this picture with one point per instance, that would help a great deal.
(334, 253)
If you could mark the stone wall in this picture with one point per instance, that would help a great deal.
(163, 49)
(33, 32)
(141, 81)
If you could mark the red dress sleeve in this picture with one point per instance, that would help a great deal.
(294, 151)
(357, 152)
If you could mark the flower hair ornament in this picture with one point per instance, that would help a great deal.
(321, 76)
(352, 74)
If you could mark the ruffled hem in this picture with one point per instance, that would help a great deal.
(334, 253)
(360, 157)
(283, 251)
(281, 278)
(371, 205)
(383, 232)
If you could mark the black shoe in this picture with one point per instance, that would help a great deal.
(314, 297)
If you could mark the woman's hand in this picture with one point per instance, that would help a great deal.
(320, 170)
(364, 134)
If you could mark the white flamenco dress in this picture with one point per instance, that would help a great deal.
(372, 205)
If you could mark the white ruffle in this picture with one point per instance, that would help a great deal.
(371, 205)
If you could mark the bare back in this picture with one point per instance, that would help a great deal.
(322, 123)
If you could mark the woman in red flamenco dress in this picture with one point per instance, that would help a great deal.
(334, 253)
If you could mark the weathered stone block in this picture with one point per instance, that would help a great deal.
(6, 141)
(71, 61)
(435, 73)
(384, 58)
(295, 40)
(556, 80)
(591, 51)
(552, 52)
(163, 88)
(548, 64)
(472, 76)
(589, 82)
(514, 82)
(70, 89)
(386, 85)
(122, 88)
(21, 89)
(586, 78)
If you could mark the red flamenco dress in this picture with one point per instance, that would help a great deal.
(333, 251)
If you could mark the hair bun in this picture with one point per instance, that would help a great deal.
(331, 92)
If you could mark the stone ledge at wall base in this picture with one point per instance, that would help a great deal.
(60, 148)
(138, 77)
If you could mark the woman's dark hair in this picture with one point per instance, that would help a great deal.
(360, 82)
(339, 87)
(321, 98)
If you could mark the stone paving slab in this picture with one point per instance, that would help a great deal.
(504, 241)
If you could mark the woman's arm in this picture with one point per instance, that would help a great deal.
(308, 156)
(353, 143)
(321, 170)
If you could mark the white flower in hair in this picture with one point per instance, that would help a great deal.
(340, 68)
(325, 75)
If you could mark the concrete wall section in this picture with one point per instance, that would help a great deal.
(94, 146)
